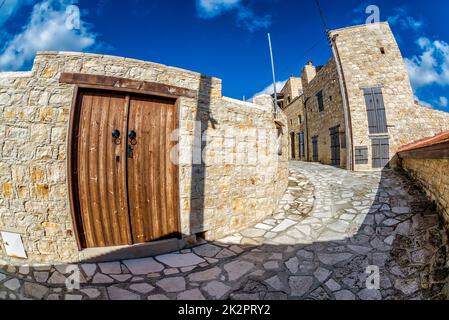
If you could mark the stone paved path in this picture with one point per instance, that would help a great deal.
(331, 226)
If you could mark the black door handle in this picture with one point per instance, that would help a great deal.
(116, 134)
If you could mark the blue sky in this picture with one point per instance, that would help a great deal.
(227, 38)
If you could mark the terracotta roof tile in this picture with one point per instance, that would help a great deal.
(427, 142)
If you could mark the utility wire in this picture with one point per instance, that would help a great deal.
(1, 5)
(323, 17)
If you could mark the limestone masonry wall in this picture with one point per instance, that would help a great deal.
(432, 175)
(318, 123)
(34, 117)
(370, 57)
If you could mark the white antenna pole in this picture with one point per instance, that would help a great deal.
(274, 76)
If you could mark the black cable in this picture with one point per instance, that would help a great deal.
(1, 5)
(323, 17)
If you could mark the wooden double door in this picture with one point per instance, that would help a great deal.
(125, 179)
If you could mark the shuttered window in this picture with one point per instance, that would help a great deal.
(381, 152)
(377, 119)
(320, 99)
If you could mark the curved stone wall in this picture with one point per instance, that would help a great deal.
(35, 109)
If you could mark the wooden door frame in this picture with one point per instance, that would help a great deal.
(85, 83)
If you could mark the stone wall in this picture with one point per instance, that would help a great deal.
(432, 175)
(318, 123)
(34, 116)
(296, 124)
(370, 57)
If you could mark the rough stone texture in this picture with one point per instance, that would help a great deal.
(314, 263)
(432, 176)
(364, 66)
(34, 117)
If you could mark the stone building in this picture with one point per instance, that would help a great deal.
(359, 108)
(78, 127)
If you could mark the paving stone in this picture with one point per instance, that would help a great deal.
(284, 225)
(236, 249)
(24, 270)
(176, 284)
(305, 254)
(334, 258)
(41, 277)
(275, 283)
(192, 295)
(121, 277)
(100, 278)
(333, 285)
(180, 260)
(207, 250)
(276, 256)
(300, 285)
(89, 269)
(367, 294)
(158, 297)
(293, 265)
(92, 293)
(238, 269)
(216, 289)
(407, 286)
(206, 275)
(263, 227)
(110, 268)
(225, 253)
(322, 274)
(116, 293)
(171, 271)
(142, 288)
(271, 265)
(34, 290)
(344, 295)
(143, 266)
(12, 284)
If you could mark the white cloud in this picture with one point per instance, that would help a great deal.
(46, 30)
(9, 7)
(431, 66)
(213, 8)
(270, 90)
(404, 20)
(246, 17)
(443, 102)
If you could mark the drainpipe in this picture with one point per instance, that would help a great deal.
(350, 165)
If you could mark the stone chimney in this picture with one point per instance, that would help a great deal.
(308, 72)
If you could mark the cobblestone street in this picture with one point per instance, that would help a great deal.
(331, 226)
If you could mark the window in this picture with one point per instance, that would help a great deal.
(319, 97)
(375, 107)
(291, 122)
(330, 98)
(299, 120)
(382, 50)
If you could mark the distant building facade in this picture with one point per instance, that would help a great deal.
(356, 111)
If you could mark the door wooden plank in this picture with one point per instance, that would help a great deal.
(83, 170)
(152, 177)
(94, 148)
(101, 175)
(104, 151)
